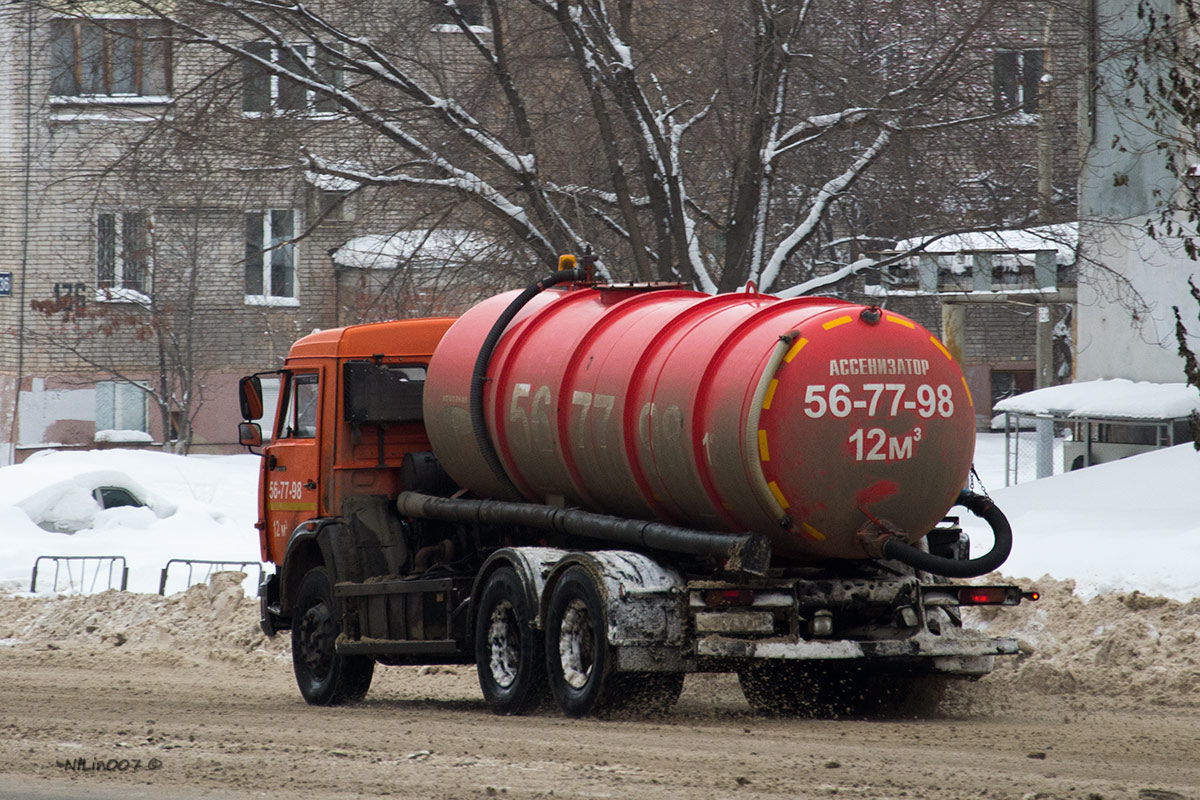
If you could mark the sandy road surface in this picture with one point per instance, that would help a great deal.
(128, 696)
(241, 730)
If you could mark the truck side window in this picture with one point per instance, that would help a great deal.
(304, 404)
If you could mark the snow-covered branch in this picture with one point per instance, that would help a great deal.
(820, 203)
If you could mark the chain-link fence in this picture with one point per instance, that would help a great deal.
(1033, 448)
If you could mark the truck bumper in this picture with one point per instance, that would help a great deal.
(966, 653)
(268, 605)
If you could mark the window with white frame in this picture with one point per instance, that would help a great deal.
(121, 406)
(110, 58)
(266, 92)
(1017, 75)
(446, 21)
(271, 257)
(123, 250)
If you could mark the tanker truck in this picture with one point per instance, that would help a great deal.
(589, 490)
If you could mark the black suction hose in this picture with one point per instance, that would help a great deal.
(748, 552)
(479, 375)
(980, 506)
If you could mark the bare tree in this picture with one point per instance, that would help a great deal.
(709, 142)
(1191, 364)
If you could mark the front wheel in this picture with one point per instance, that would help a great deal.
(324, 676)
(508, 649)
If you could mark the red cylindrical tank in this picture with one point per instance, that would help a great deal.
(800, 419)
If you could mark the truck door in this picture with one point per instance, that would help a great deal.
(293, 459)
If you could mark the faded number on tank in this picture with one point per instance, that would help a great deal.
(582, 404)
(877, 399)
(531, 427)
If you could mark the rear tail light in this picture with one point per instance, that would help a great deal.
(994, 596)
(722, 598)
(982, 595)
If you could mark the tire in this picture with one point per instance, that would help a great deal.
(325, 677)
(509, 651)
(578, 658)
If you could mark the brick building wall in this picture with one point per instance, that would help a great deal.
(65, 335)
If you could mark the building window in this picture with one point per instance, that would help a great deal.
(1017, 75)
(444, 18)
(121, 407)
(271, 257)
(1009, 382)
(122, 252)
(110, 58)
(265, 92)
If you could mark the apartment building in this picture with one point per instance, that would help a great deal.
(141, 275)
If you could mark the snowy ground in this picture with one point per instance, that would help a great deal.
(1130, 525)
(198, 507)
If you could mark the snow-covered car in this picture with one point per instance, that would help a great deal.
(76, 500)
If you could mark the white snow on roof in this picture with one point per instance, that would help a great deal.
(1063, 239)
(1108, 399)
(330, 183)
(430, 248)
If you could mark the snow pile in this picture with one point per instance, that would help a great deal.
(1107, 399)
(214, 620)
(198, 507)
(1115, 645)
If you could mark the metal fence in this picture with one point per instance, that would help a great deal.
(1033, 448)
(83, 574)
(206, 569)
(91, 574)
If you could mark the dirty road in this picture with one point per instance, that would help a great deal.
(125, 696)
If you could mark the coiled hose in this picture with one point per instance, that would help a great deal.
(980, 506)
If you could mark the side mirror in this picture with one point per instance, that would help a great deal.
(250, 434)
(251, 397)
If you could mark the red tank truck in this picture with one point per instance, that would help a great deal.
(593, 489)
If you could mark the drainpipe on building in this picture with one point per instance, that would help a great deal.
(14, 431)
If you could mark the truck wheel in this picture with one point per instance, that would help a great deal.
(509, 651)
(578, 659)
(325, 677)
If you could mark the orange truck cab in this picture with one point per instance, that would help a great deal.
(357, 435)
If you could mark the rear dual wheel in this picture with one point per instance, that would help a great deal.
(516, 662)
(579, 660)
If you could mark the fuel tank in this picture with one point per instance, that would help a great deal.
(801, 419)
